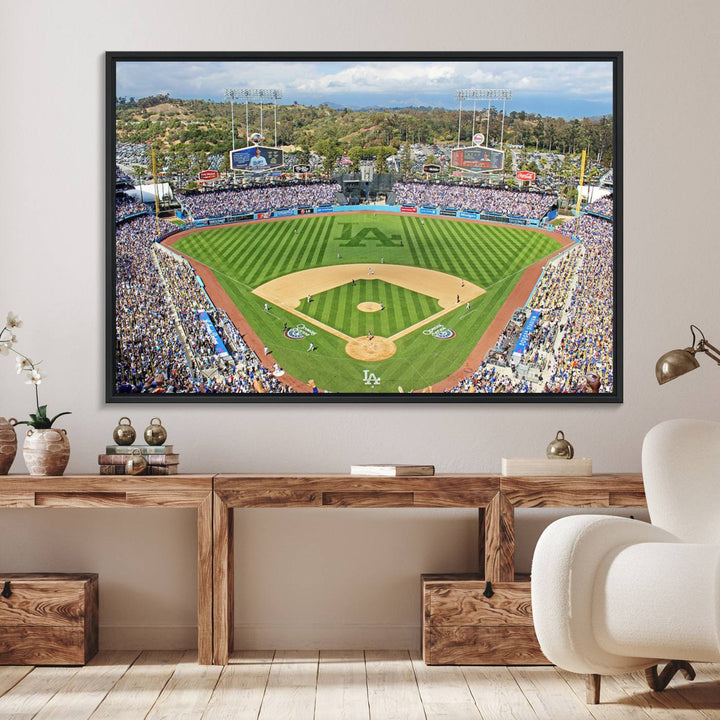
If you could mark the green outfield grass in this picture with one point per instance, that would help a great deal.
(246, 256)
(401, 308)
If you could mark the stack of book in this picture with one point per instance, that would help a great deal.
(160, 459)
(392, 470)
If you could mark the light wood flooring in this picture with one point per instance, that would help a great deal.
(349, 685)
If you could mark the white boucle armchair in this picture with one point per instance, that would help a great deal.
(613, 595)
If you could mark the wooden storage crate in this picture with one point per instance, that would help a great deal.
(461, 626)
(48, 618)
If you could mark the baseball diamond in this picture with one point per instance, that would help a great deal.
(369, 284)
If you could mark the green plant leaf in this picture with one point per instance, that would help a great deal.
(67, 412)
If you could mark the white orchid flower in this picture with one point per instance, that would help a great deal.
(23, 364)
(35, 377)
(13, 320)
(5, 346)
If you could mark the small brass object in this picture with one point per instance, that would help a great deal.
(136, 463)
(124, 433)
(560, 448)
(155, 433)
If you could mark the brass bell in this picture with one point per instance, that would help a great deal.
(136, 463)
(560, 448)
(155, 433)
(124, 433)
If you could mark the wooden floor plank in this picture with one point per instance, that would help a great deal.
(348, 685)
(703, 693)
(444, 692)
(139, 688)
(88, 687)
(34, 691)
(392, 688)
(290, 691)
(548, 694)
(240, 691)
(342, 686)
(251, 657)
(188, 691)
(666, 705)
(615, 703)
(11, 675)
(497, 694)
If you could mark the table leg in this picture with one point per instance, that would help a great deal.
(223, 581)
(499, 540)
(205, 579)
(481, 541)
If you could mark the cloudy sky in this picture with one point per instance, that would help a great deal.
(567, 89)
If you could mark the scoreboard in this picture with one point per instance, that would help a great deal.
(478, 159)
(256, 158)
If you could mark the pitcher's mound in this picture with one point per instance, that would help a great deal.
(369, 307)
(379, 348)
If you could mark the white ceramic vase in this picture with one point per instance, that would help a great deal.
(46, 451)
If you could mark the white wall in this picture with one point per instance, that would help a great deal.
(330, 578)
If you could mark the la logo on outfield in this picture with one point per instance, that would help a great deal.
(370, 378)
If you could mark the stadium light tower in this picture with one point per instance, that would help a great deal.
(261, 95)
(488, 94)
(232, 94)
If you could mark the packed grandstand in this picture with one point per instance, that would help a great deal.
(172, 339)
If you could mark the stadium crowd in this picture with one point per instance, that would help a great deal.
(587, 336)
(603, 206)
(488, 200)
(256, 199)
(162, 346)
(125, 206)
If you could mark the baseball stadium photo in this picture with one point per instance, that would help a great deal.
(387, 227)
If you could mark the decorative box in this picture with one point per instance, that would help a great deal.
(48, 618)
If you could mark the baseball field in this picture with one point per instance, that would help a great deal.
(366, 302)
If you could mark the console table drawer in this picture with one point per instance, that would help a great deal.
(462, 626)
(48, 619)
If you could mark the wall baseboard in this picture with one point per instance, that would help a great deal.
(327, 637)
(265, 637)
(148, 637)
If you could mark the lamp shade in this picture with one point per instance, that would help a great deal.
(675, 363)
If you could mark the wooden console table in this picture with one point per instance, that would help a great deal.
(93, 491)
(215, 497)
(495, 497)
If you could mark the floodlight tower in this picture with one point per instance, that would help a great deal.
(232, 94)
(249, 94)
(488, 94)
(262, 95)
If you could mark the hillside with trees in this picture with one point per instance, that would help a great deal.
(186, 129)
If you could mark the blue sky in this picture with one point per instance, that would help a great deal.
(566, 89)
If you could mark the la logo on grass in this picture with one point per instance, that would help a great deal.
(370, 378)
(367, 233)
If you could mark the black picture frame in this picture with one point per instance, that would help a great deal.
(124, 315)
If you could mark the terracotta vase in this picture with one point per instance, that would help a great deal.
(8, 444)
(47, 451)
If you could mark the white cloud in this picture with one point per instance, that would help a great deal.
(434, 81)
